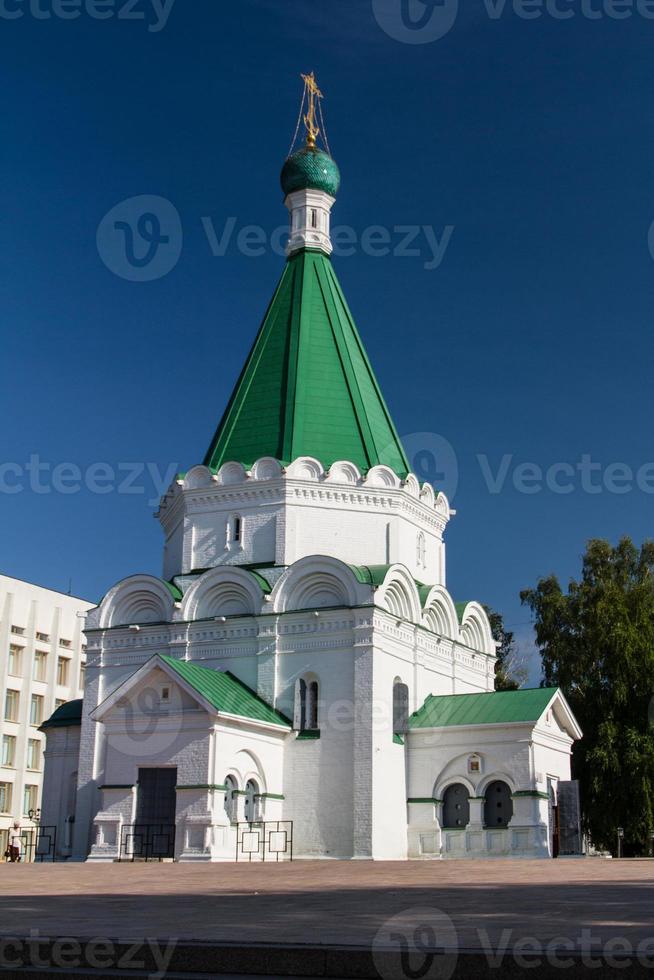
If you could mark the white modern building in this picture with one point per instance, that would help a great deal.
(300, 668)
(42, 662)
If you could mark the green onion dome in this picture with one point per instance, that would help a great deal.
(310, 168)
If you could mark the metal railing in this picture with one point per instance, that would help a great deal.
(147, 842)
(264, 841)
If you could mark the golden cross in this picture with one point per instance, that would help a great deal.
(311, 87)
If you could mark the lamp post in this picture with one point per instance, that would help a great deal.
(34, 815)
(620, 839)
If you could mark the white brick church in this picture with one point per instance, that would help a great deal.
(300, 675)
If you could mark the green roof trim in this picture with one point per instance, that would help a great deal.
(66, 716)
(307, 387)
(397, 739)
(491, 708)
(308, 734)
(423, 799)
(175, 592)
(226, 692)
(375, 574)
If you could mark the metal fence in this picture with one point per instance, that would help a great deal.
(271, 840)
(147, 842)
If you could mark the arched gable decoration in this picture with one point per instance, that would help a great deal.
(223, 591)
(439, 614)
(316, 582)
(137, 601)
(475, 630)
(398, 594)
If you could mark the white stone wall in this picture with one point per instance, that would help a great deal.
(61, 759)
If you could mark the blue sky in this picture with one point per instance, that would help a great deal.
(522, 145)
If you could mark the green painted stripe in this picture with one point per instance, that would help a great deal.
(202, 786)
(272, 796)
(530, 792)
(423, 799)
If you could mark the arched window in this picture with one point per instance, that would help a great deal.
(498, 805)
(305, 714)
(400, 707)
(251, 801)
(456, 807)
(234, 532)
(231, 790)
(421, 550)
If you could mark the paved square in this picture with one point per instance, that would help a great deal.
(323, 902)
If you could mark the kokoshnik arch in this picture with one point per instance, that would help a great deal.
(301, 658)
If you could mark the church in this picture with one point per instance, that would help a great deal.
(299, 682)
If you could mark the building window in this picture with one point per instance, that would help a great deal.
(40, 665)
(314, 218)
(9, 750)
(30, 797)
(231, 790)
(498, 805)
(33, 754)
(12, 702)
(18, 630)
(59, 702)
(5, 797)
(82, 672)
(421, 550)
(15, 660)
(456, 807)
(66, 643)
(251, 801)
(234, 531)
(165, 695)
(43, 637)
(400, 707)
(305, 714)
(62, 671)
(36, 710)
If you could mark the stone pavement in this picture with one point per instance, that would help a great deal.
(487, 904)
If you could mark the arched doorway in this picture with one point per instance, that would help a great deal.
(498, 805)
(456, 808)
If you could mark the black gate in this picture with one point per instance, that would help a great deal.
(147, 842)
(271, 840)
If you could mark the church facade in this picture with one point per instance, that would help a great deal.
(300, 670)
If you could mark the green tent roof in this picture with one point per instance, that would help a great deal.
(492, 708)
(226, 692)
(66, 715)
(307, 388)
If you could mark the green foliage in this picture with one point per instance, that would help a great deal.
(597, 644)
(507, 671)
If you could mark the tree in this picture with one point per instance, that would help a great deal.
(509, 672)
(597, 644)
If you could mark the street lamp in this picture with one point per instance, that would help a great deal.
(620, 839)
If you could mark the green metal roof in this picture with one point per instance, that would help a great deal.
(66, 716)
(492, 708)
(307, 388)
(226, 692)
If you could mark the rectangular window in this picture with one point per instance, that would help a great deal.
(36, 710)
(40, 665)
(5, 797)
(33, 753)
(30, 796)
(12, 701)
(314, 218)
(15, 660)
(18, 631)
(62, 671)
(43, 637)
(59, 702)
(82, 672)
(9, 750)
(66, 643)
